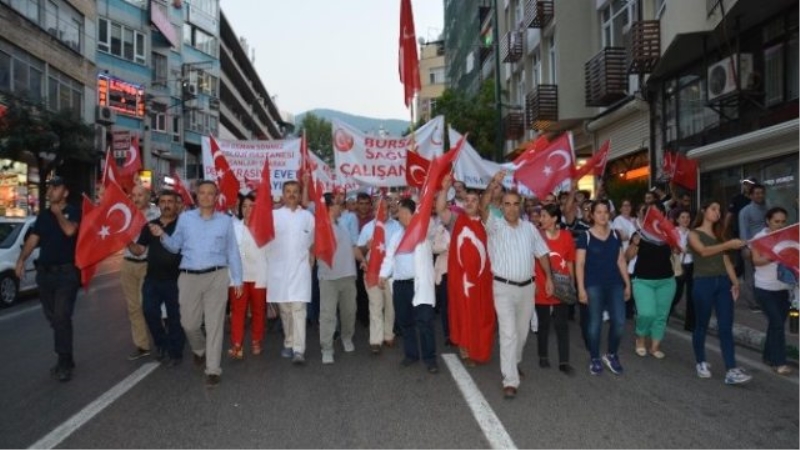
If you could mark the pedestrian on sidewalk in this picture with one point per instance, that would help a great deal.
(210, 262)
(337, 286)
(715, 288)
(132, 273)
(55, 232)
(773, 295)
(254, 289)
(685, 282)
(289, 261)
(751, 221)
(603, 285)
(160, 288)
(653, 289)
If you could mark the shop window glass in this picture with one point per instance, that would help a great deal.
(20, 77)
(36, 80)
(5, 72)
(116, 39)
(52, 94)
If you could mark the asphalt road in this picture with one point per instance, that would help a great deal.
(369, 401)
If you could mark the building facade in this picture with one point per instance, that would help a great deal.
(463, 50)
(47, 57)
(432, 77)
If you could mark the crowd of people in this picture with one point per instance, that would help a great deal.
(494, 264)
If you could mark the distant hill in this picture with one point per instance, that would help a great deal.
(394, 127)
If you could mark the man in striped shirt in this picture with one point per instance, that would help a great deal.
(513, 243)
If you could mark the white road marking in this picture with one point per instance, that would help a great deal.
(750, 362)
(83, 416)
(490, 424)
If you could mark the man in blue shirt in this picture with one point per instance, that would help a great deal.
(211, 262)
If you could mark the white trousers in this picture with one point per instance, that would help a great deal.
(514, 307)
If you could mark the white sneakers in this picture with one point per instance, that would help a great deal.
(327, 357)
(703, 370)
(733, 376)
(348, 345)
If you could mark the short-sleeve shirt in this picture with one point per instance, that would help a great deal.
(600, 267)
(162, 264)
(512, 248)
(735, 207)
(55, 247)
(562, 255)
(653, 261)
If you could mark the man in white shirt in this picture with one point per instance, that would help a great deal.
(513, 243)
(413, 292)
(337, 287)
(289, 262)
(381, 306)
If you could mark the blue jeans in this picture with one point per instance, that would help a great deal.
(441, 302)
(713, 293)
(611, 299)
(154, 294)
(58, 290)
(775, 305)
(412, 318)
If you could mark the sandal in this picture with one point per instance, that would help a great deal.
(236, 352)
(658, 354)
(256, 347)
(641, 351)
(783, 370)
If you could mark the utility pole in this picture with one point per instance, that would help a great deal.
(497, 91)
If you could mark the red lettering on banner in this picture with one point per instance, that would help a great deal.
(366, 170)
(386, 143)
(388, 156)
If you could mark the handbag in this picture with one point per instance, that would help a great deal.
(564, 288)
(677, 264)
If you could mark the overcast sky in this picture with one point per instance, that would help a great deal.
(337, 54)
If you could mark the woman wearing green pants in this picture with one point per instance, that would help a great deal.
(653, 290)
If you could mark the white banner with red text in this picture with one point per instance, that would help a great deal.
(246, 159)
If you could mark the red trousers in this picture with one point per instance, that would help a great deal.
(256, 298)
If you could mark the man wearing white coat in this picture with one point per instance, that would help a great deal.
(413, 292)
(289, 262)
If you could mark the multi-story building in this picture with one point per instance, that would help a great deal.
(47, 57)
(725, 93)
(432, 77)
(463, 50)
(247, 111)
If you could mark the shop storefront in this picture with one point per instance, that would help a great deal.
(19, 191)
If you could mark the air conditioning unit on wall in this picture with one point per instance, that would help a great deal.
(105, 115)
(722, 75)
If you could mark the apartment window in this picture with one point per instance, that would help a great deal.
(187, 34)
(537, 69)
(176, 128)
(21, 74)
(63, 92)
(5, 72)
(519, 13)
(20, 78)
(28, 8)
(780, 63)
(160, 69)
(203, 41)
(207, 6)
(121, 41)
(553, 72)
(158, 117)
(521, 88)
(615, 19)
(773, 75)
(436, 75)
(35, 85)
(661, 5)
(206, 83)
(51, 17)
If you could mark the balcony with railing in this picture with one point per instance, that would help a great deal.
(644, 46)
(538, 13)
(511, 49)
(606, 77)
(541, 106)
(514, 125)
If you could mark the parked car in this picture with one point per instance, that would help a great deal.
(13, 232)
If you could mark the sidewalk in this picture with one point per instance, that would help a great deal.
(749, 329)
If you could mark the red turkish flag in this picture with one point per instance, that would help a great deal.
(469, 286)
(407, 54)
(128, 173)
(262, 223)
(180, 188)
(596, 164)
(417, 229)
(110, 171)
(782, 246)
(548, 167)
(87, 273)
(107, 228)
(659, 226)
(417, 168)
(226, 180)
(538, 145)
(668, 164)
(324, 237)
(685, 172)
(377, 247)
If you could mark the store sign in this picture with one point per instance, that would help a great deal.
(202, 19)
(121, 96)
(121, 144)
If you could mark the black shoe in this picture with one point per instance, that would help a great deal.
(200, 361)
(212, 380)
(375, 349)
(433, 369)
(161, 354)
(566, 368)
(407, 362)
(61, 373)
(509, 392)
(171, 362)
(449, 343)
(138, 353)
(544, 363)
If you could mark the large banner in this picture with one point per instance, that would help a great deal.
(246, 159)
(476, 172)
(379, 161)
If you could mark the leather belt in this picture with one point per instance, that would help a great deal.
(411, 280)
(202, 271)
(134, 260)
(514, 283)
(55, 268)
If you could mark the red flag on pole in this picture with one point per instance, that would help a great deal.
(685, 172)
(180, 188)
(226, 180)
(110, 171)
(262, 223)
(133, 160)
(107, 228)
(87, 273)
(782, 246)
(537, 145)
(596, 164)
(417, 229)
(377, 247)
(407, 54)
(324, 238)
(547, 167)
(659, 226)
(417, 168)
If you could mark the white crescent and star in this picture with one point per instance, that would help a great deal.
(413, 171)
(656, 228)
(126, 212)
(434, 140)
(557, 256)
(467, 234)
(563, 155)
(134, 155)
(783, 245)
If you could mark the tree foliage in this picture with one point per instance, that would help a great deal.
(318, 135)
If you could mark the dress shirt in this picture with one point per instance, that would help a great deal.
(151, 213)
(416, 266)
(344, 263)
(206, 242)
(350, 222)
(511, 249)
(254, 258)
(392, 227)
(288, 265)
(751, 220)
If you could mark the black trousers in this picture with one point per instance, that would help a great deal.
(58, 290)
(558, 317)
(685, 283)
(442, 304)
(362, 300)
